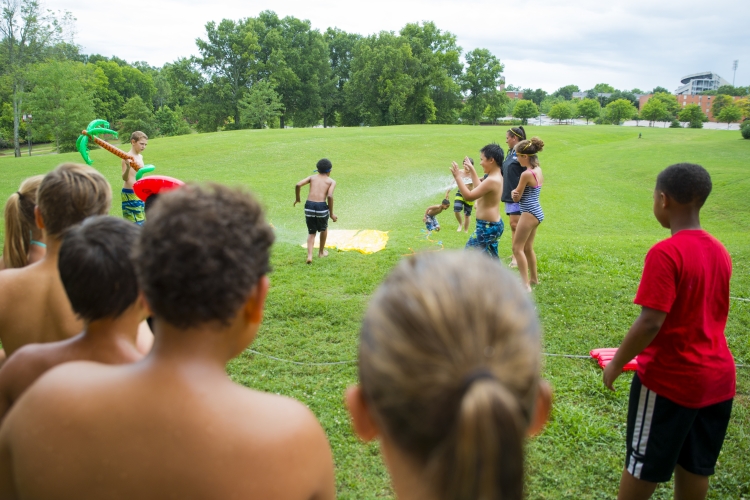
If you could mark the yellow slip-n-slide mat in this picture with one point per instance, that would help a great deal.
(364, 241)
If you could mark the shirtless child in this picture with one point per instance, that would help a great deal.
(487, 193)
(174, 425)
(33, 304)
(461, 205)
(430, 222)
(99, 279)
(316, 209)
(133, 209)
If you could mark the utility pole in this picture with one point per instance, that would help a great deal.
(734, 68)
(27, 119)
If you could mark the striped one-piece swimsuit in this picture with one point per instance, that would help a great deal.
(530, 200)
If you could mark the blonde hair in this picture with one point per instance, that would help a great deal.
(531, 148)
(137, 136)
(451, 374)
(19, 223)
(69, 194)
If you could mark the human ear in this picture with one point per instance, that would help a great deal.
(143, 306)
(542, 408)
(362, 422)
(38, 217)
(257, 300)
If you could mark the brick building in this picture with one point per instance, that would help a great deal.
(704, 101)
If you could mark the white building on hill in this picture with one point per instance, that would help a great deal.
(700, 82)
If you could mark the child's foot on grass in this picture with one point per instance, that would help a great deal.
(324, 253)
(459, 229)
(534, 282)
(513, 264)
(309, 260)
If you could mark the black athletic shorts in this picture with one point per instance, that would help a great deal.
(662, 434)
(316, 216)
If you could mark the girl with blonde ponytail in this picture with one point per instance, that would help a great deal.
(23, 239)
(450, 378)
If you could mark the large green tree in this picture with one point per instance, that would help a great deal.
(620, 110)
(27, 35)
(729, 114)
(436, 96)
(719, 102)
(536, 96)
(137, 116)
(655, 111)
(589, 109)
(61, 100)
(525, 109)
(670, 103)
(566, 92)
(260, 106)
(560, 111)
(229, 56)
(480, 83)
(381, 80)
(340, 49)
(693, 114)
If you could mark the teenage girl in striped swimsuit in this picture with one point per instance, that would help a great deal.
(527, 194)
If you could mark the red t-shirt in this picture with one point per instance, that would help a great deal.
(689, 362)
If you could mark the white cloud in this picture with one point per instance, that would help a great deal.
(543, 44)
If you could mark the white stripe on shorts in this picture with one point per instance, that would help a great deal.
(641, 429)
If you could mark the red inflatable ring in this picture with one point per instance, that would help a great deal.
(155, 184)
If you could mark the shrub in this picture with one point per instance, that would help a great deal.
(745, 130)
(675, 124)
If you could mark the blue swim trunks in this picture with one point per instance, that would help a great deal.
(133, 209)
(486, 237)
(431, 223)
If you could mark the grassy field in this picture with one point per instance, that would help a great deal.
(598, 228)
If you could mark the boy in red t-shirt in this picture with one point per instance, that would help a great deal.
(681, 396)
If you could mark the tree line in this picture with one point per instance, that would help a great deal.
(255, 72)
(606, 105)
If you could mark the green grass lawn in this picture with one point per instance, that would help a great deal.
(598, 228)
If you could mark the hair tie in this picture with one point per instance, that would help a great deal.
(479, 374)
(515, 133)
(20, 196)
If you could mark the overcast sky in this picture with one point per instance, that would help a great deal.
(544, 44)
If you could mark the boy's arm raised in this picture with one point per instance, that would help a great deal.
(640, 335)
(469, 168)
(125, 170)
(297, 187)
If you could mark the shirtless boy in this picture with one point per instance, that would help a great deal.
(487, 193)
(99, 279)
(461, 205)
(33, 305)
(174, 425)
(316, 208)
(430, 222)
(133, 208)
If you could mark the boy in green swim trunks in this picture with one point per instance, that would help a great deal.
(133, 208)
(459, 203)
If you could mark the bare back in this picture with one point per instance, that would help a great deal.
(150, 431)
(321, 186)
(31, 361)
(34, 307)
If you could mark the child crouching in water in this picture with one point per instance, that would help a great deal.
(450, 380)
(430, 222)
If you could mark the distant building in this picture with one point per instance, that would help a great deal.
(704, 101)
(700, 82)
(514, 94)
(600, 95)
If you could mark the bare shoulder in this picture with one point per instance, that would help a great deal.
(287, 415)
